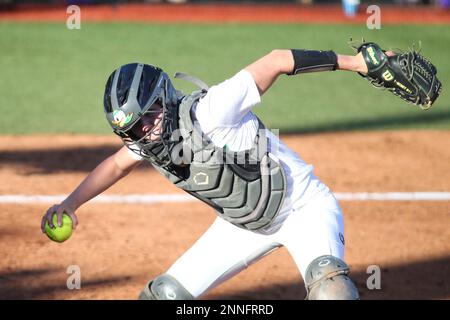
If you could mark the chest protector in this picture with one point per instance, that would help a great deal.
(246, 188)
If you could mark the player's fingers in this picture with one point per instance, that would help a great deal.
(44, 219)
(74, 218)
(68, 210)
(49, 216)
(59, 214)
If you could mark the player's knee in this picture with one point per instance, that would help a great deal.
(326, 279)
(165, 287)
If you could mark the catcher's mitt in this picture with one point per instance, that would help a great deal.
(408, 75)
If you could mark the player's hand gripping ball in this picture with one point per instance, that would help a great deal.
(59, 234)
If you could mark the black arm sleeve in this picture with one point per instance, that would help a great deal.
(313, 61)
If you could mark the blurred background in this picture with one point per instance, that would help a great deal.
(59, 2)
(348, 5)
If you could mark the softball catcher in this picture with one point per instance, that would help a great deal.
(211, 145)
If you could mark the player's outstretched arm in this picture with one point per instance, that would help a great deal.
(101, 178)
(267, 69)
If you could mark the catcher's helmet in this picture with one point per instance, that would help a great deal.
(135, 90)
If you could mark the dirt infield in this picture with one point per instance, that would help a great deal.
(223, 13)
(119, 247)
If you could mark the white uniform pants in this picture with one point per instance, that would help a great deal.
(224, 250)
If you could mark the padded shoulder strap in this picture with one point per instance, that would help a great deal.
(199, 83)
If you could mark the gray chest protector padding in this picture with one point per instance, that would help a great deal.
(246, 188)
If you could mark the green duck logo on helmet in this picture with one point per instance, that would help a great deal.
(121, 119)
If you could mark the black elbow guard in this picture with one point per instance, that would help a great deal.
(313, 61)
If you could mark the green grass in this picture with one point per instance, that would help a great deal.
(52, 78)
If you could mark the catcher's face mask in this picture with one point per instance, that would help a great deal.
(149, 127)
(142, 107)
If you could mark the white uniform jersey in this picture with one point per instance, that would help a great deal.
(225, 116)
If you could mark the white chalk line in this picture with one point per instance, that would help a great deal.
(176, 197)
